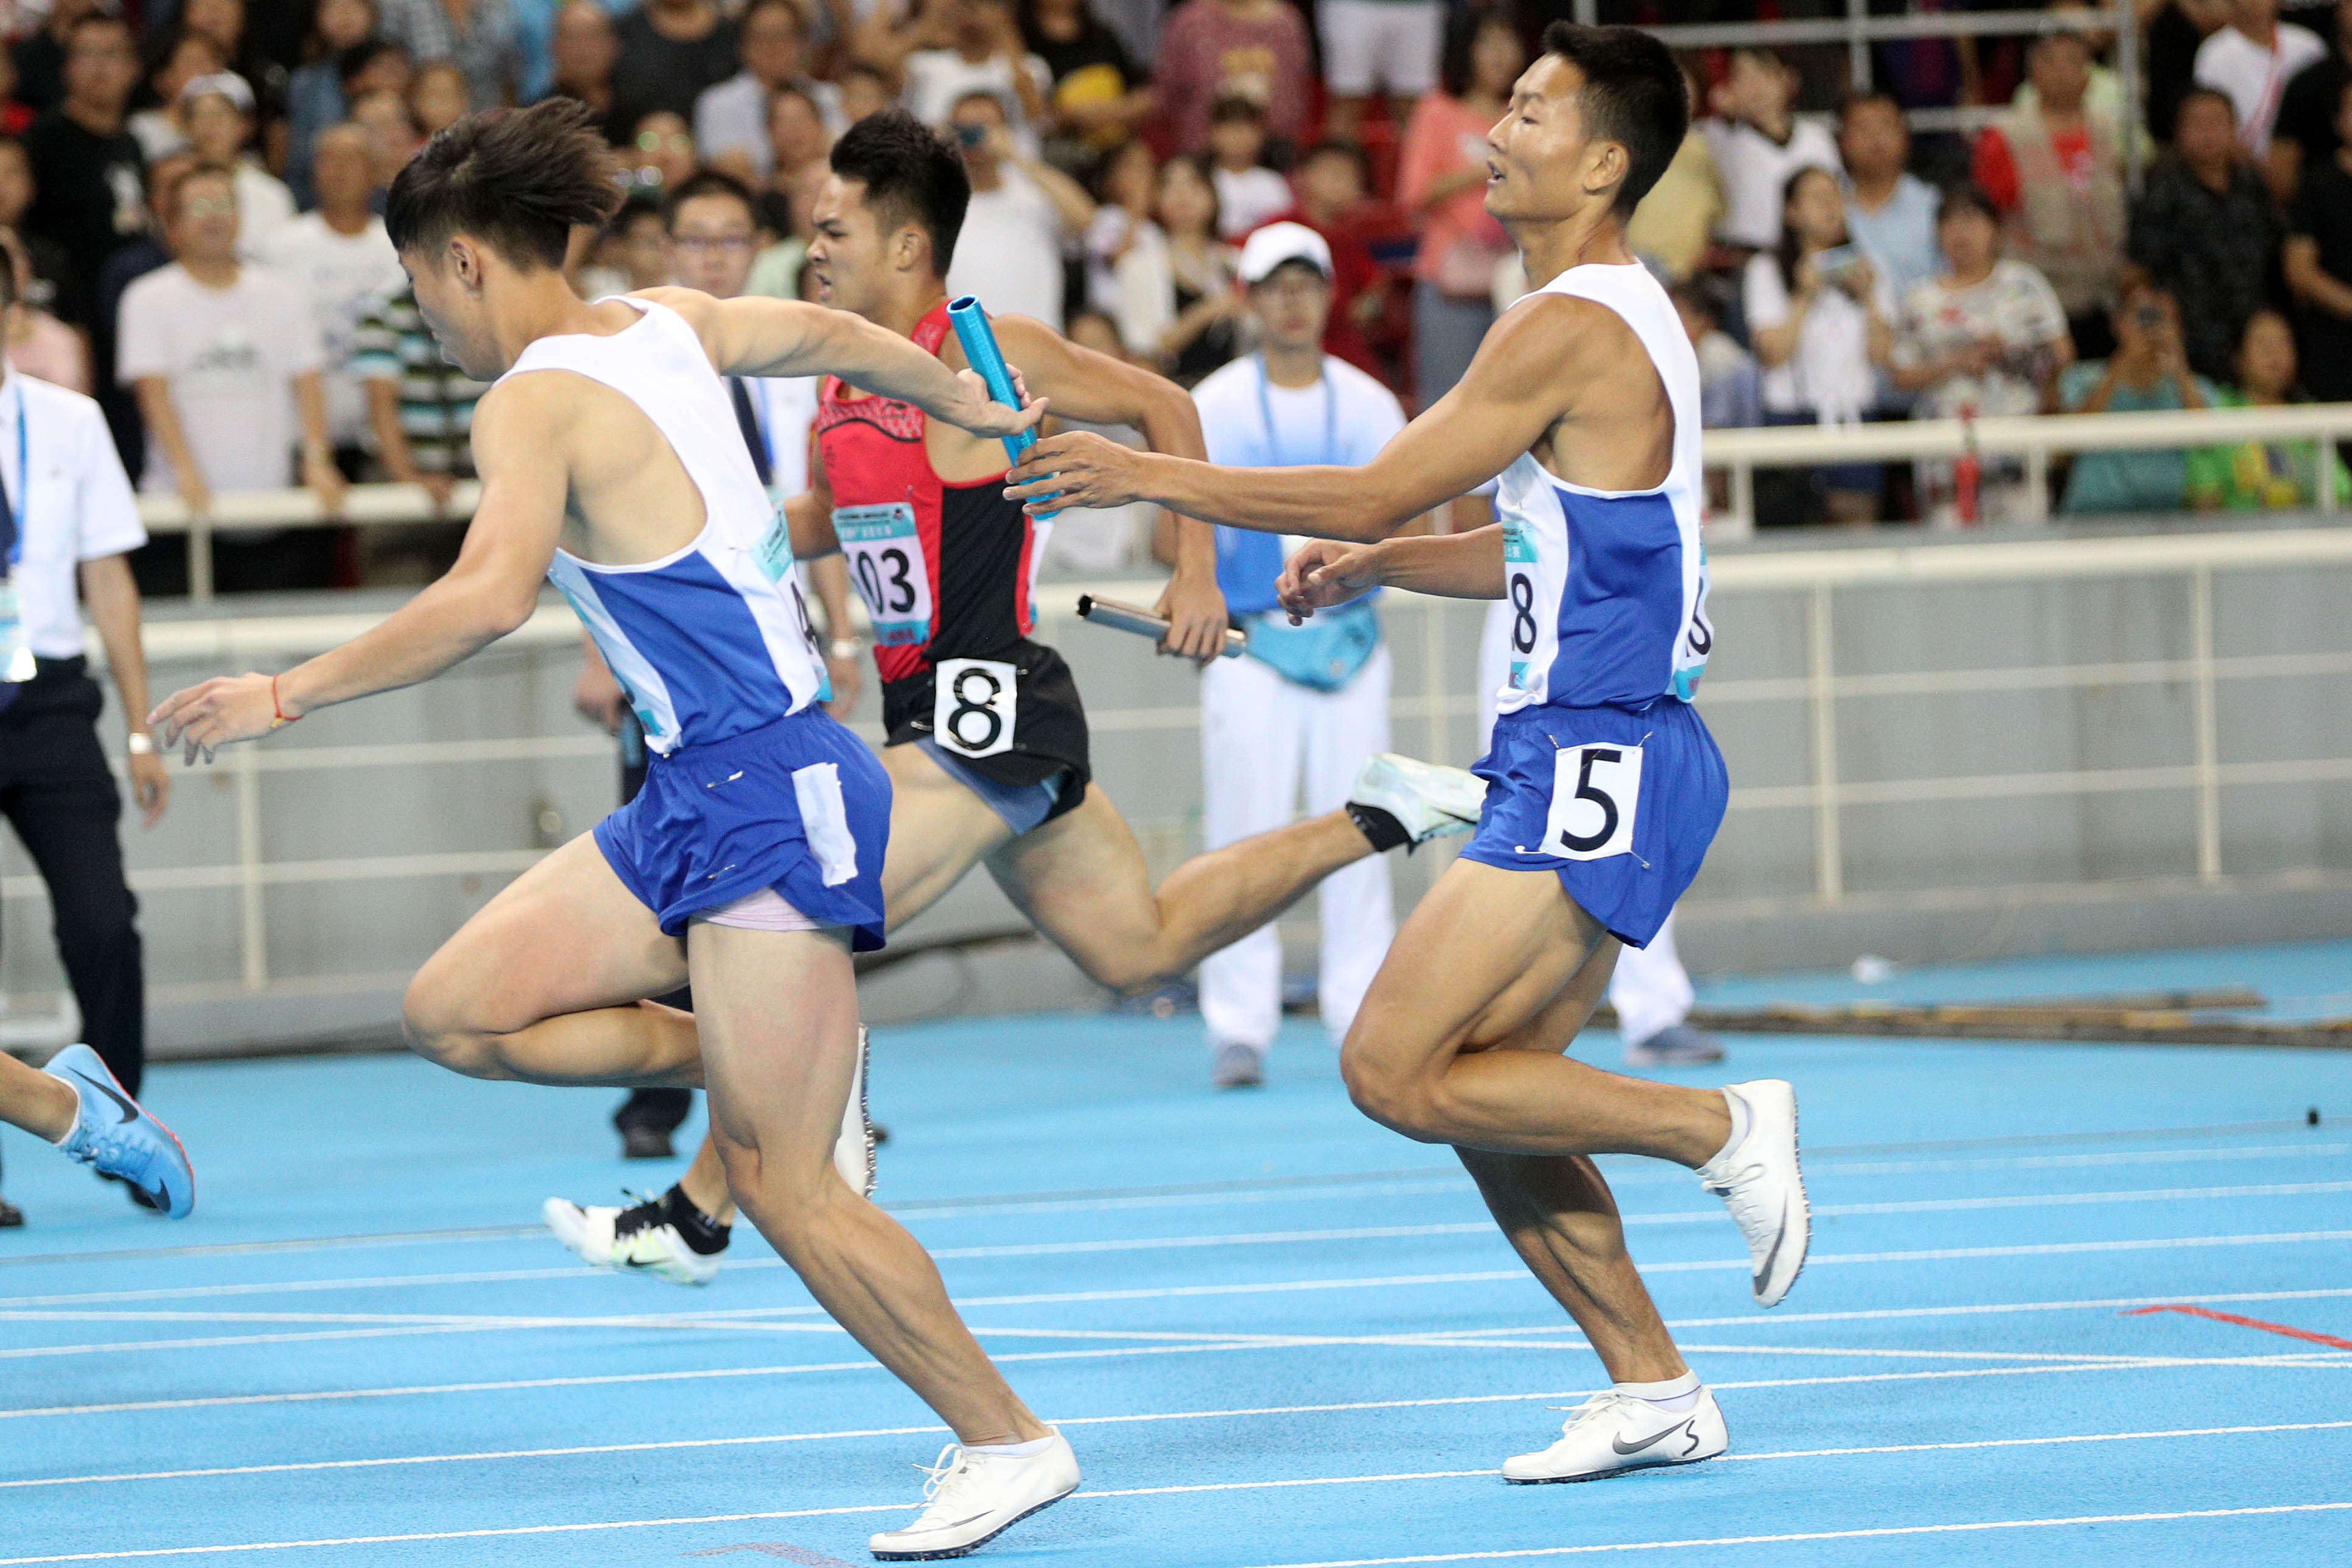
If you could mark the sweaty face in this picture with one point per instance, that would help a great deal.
(1539, 161)
(847, 253)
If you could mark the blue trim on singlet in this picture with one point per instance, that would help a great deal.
(694, 626)
(1622, 607)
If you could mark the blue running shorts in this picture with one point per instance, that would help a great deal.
(800, 805)
(1621, 805)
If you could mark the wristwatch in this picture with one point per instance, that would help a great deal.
(140, 744)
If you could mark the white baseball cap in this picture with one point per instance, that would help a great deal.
(228, 84)
(1276, 243)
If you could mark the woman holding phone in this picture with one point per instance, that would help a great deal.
(1820, 315)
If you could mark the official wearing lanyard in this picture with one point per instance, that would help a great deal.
(1308, 704)
(67, 512)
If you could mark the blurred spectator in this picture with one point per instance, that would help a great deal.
(2305, 131)
(659, 156)
(1985, 337)
(671, 52)
(1255, 49)
(1890, 212)
(2057, 175)
(218, 109)
(865, 89)
(40, 56)
(181, 57)
(2250, 61)
(1758, 144)
(1729, 382)
(2148, 371)
(314, 93)
(1178, 308)
(2254, 475)
(50, 285)
(346, 265)
(1010, 250)
(584, 46)
(1127, 188)
(1249, 193)
(1370, 45)
(2319, 265)
(961, 46)
(38, 343)
(1334, 188)
(225, 360)
(1101, 95)
(477, 35)
(88, 195)
(2204, 228)
(1674, 225)
(1817, 313)
(2176, 30)
(14, 113)
(732, 121)
(632, 253)
(391, 136)
(132, 262)
(420, 407)
(2102, 92)
(437, 96)
(242, 50)
(1441, 181)
(798, 141)
(373, 65)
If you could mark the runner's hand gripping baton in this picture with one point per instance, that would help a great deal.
(1143, 623)
(979, 340)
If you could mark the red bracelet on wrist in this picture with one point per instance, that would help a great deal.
(279, 717)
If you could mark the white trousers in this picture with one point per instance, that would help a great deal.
(1262, 737)
(1650, 989)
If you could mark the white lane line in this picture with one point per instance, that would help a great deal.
(1487, 1474)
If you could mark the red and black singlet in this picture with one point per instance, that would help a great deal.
(946, 569)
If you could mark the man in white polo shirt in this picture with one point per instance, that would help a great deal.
(69, 522)
(1307, 703)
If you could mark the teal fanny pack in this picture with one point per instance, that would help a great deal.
(1325, 654)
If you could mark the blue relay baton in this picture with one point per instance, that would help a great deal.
(979, 340)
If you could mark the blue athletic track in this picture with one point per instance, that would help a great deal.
(1277, 1333)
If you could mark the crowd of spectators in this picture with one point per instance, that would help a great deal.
(189, 192)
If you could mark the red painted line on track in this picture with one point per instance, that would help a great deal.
(2245, 1323)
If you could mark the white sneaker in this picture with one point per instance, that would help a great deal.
(636, 1240)
(1610, 1434)
(973, 1497)
(1427, 800)
(1758, 1181)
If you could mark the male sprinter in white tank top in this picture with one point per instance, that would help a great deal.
(1603, 788)
(751, 860)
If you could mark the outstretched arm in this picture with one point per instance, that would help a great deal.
(1509, 397)
(492, 589)
(1452, 566)
(753, 336)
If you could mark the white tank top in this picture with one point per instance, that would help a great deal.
(713, 639)
(1607, 589)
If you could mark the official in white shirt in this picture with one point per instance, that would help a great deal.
(1306, 704)
(69, 521)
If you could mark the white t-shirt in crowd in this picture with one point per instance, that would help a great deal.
(733, 117)
(1754, 169)
(1831, 374)
(230, 356)
(2253, 78)
(1345, 419)
(1247, 197)
(264, 205)
(785, 406)
(345, 274)
(77, 508)
(937, 77)
(1010, 252)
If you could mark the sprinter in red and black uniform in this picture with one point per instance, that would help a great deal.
(987, 742)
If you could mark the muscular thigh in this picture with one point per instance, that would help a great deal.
(1082, 881)
(563, 937)
(1489, 959)
(939, 831)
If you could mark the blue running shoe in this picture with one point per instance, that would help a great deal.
(119, 1138)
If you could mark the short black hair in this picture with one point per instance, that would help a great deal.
(518, 180)
(1634, 95)
(1233, 106)
(363, 54)
(708, 183)
(1340, 147)
(1862, 95)
(911, 174)
(1966, 197)
(1462, 30)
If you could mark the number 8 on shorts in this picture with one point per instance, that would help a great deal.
(1595, 791)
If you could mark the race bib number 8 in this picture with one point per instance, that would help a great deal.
(977, 702)
(885, 561)
(1595, 791)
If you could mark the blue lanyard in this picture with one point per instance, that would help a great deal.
(1330, 418)
(23, 474)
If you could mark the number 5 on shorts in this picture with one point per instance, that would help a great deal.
(1595, 791)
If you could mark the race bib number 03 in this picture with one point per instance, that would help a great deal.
(1595, 791)
(977, 701)
(885, 561)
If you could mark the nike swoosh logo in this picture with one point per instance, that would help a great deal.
(959, 1524)
(1649, 1441)
(129, 1111)
(1764, 1273)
